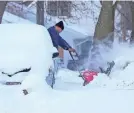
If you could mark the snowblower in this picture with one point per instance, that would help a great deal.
(88, 75)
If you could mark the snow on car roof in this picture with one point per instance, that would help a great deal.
(24, 45)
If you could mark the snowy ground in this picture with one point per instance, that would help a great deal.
(104, 94)
(80, 100)
(93, 100)
(69, 96)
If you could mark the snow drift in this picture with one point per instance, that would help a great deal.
(23, 46)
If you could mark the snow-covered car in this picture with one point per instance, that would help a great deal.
(25, 46)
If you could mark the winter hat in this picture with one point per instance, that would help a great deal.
(60, 24)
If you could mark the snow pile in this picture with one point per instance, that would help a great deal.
(65, 74)
(24, 46)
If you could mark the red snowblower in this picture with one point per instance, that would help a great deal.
(86, 75)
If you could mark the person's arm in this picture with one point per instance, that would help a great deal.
(65, 45)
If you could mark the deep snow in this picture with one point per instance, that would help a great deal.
(30, 45)
(23, 46)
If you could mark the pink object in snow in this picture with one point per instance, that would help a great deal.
(88, 76)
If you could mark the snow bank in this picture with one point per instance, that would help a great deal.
(68, 80)
(23, 46)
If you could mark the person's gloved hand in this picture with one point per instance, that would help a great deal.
(71, 50)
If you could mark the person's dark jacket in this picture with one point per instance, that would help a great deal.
(57, 40)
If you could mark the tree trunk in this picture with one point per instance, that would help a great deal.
(132, 11)
(126, 19)
(2, 9)
(104, 28)
(40, 12)
(105, 24)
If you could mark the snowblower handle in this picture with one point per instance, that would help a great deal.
(73, 58)
(76, 55)
(75, 64)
